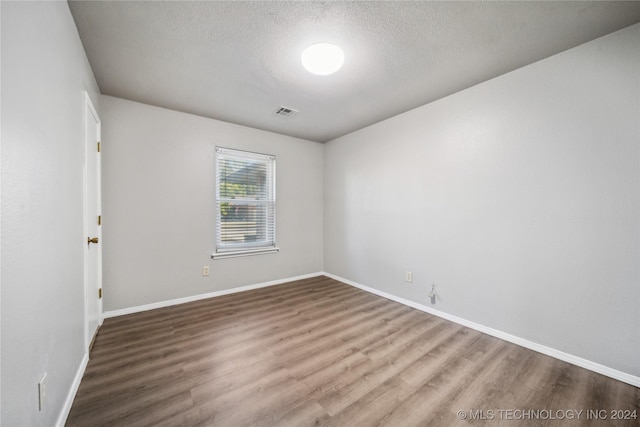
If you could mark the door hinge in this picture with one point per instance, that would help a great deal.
(99, 293)
(99, 219)
(99, 146)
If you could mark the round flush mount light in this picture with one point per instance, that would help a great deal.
(322, 58)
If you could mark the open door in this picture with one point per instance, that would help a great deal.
(92, 224)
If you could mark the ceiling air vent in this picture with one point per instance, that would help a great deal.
(285, 111)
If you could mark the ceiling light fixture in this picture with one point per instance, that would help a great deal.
(322, 58)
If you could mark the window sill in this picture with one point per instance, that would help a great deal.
(248, 252)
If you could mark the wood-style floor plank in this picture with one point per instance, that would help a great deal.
(319, 352)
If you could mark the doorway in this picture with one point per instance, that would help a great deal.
(92, 223)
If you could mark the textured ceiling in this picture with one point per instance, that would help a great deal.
(240, 61)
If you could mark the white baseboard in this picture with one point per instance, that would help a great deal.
(161, 304)
(566, 357)
(64, 413)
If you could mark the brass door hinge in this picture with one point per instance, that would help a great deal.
(99, 219)
(99, 146)
(99, 293)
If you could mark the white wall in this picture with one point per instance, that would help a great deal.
(159, 199)
(519, 198)
(44, 74)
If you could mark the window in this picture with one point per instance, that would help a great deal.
(245, 203)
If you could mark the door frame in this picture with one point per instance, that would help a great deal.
(90, 110)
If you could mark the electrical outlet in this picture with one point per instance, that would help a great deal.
(42, 391)
(408, 276)
(205, 270)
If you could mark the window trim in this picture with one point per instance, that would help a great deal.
(241, 250)
(238, 253)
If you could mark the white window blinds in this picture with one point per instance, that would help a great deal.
(245, 201)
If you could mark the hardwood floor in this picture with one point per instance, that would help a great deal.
(319, 352)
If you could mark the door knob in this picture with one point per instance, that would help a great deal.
(92, 240)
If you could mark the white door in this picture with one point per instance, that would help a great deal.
(93, 221)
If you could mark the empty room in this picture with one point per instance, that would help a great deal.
(340, 213)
